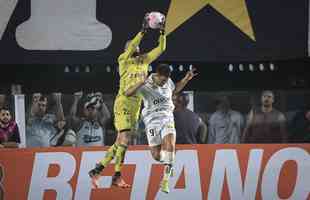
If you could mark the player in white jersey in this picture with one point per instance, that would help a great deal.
(157, 91)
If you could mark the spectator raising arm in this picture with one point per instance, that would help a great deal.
(35, 104)
(73, 111)
(59, 110)
(104, 113)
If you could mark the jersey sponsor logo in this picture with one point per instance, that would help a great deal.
(278, 171)
(91, 138)
(124, 111)
(218, 170)
(160, 100)
(94, 126)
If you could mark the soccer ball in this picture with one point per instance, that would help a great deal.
(155, 19)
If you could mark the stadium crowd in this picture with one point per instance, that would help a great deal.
(85, 119)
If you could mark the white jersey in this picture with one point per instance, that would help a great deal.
(157, 100)
(90, 134)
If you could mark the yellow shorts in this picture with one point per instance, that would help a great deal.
(126, 112)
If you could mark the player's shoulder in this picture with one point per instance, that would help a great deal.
(120, 57)
(149, 79)
(171, 83)
(170, 80)
(149, 84)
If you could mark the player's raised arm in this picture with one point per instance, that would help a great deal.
(156, 52)
(131, 90)
(132, 45)
(182, 83)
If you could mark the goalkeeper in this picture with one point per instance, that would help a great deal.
(132, 66)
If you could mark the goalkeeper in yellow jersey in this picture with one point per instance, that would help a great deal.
(133, 66)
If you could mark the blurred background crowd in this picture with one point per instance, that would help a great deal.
(86, 119)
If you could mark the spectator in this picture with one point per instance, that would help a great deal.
(16, 89)
(40, 124)
(90, 128)
(300, 127)
(64, 135)
(189, 126)
(265, 125)
(9, 134)
(225, 125)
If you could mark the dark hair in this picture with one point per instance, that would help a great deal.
(43, 97)
(6, 108)
(164, 70)
(268, 92)
(221, 99)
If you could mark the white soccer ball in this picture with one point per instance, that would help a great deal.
(155, 19)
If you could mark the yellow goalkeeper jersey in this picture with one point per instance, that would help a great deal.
(132, 68)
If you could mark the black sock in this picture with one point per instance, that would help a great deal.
(168, 169)
(117, 174)
(99, 167)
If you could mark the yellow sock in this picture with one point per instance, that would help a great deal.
(109, 155)
(119, 157)
(167, 172)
